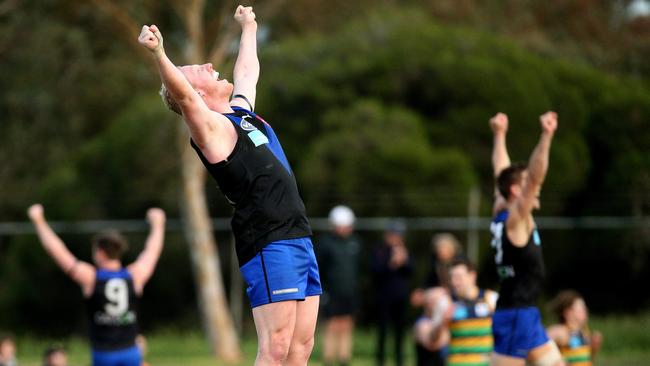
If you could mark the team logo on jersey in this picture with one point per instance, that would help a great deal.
(536, 239)
(482, 310)
(460, 312)
(505, 272)
(245, 125)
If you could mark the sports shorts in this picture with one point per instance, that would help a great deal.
(283, 270)
(516, 331)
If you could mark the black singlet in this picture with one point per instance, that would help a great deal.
(520, 269)
(258, 182)
(112, 311)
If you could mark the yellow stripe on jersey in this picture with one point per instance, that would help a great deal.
(485, 341)
(468, 359)
(577, 356)
(472, 323)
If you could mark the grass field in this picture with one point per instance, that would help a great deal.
(626, 343)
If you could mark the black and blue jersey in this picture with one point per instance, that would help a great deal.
(112, 311)
(520, 269)
(258, 182)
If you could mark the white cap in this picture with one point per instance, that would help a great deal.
(341, 216)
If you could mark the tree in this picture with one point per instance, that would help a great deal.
(388, 166)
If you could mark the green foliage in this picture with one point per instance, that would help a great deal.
(379, 160)
(453, 80)
(113, 173)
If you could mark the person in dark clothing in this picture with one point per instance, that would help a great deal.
(392, 268)
(338, 256)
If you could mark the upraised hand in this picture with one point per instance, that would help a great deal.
(499, 123)
(548, 122)
(596, 341)
(151, 38)
(156, 216)
(244, 15)
(35, 212)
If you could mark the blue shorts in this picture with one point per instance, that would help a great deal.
(282, 270)
(516, 331)
(124, 357)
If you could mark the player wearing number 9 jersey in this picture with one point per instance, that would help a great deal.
(111, 290)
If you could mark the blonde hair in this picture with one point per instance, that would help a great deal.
(169, 101)
(438, 239)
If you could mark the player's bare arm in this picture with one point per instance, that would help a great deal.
(434, 333)
(81, 272)
(206, 126)
(520, 223)
(538, 163)
(492, 297)
(142, 269)
(596, 343)
(500, 157)
(559, 333)
(247, 66)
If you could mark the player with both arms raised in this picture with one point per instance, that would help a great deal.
(244, 156)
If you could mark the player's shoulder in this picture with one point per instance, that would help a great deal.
(500, 213)
(559, 333)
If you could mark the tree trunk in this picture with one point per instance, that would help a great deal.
(217, 320)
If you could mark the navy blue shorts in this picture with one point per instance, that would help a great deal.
(282, 270)
(124, 357)
(516, 331)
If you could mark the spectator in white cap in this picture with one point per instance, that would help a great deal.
(338, 257)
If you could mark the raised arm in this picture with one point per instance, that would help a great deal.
(596, 343)
(537, 165)
(142, 269)
(247, 66)
(500, 157)
(200, 120)
(81, 272)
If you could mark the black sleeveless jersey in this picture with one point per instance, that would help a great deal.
(520, 269)
(258, 182)
(112, 311)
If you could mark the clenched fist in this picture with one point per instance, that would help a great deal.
(35, 212)
(155, 216)
(499, 123)
(244, 15)
(151, 38)
(548, 121)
